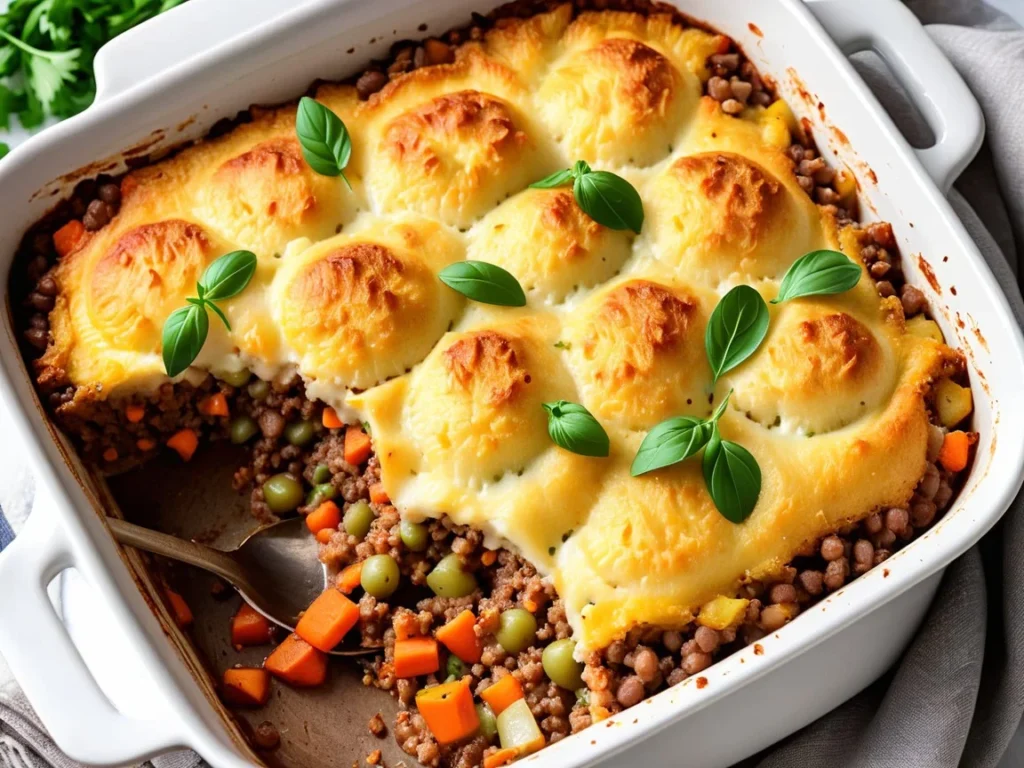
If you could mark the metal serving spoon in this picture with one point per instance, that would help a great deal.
(276, 569)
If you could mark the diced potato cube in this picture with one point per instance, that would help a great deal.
(952, 402)
(780, 110)
(925, 328)
(722, 612)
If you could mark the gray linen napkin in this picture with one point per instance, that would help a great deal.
(957, 695)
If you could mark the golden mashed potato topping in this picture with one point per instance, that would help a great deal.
(346, 293)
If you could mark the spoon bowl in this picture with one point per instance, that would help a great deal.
(276, 569)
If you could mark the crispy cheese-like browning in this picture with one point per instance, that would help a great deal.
(346, 293)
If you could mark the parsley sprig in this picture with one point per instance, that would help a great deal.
(47, 49)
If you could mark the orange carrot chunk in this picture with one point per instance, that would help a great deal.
(214, 405)
(500, 758)
(330, 419)
(326, 516)
(449, 710)
(378, 495)
(955, 450)
(459, 638)
(184, 442)
(350, 578)
(503, 693)
(134, 413)
(297, 663)
(324, 535)
(179, 608)
(357, 445)
(416, 656)
(249, 627)
(246, 687)
(69, 237)
(327, 620)
(110, 454)
(145, 444)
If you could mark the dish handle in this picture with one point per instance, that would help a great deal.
(51, 672)
(927, 76)
(175, 36)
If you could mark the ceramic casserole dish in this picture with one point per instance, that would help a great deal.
(170, 80)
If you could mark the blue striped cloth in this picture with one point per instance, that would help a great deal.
(6, 534)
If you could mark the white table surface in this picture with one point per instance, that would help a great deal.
(117, 667)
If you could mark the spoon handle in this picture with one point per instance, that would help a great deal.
(200, 555)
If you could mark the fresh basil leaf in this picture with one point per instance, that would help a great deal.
(736, 329)
(818, 273)
(325, 142)
(670, 442)
(483, 282)
(732, 477)
(227, 276)
(609, 200)
(183, 337)
(556, 179)
(4, 149)
(720, 409)
(217, 311)
(571, 426)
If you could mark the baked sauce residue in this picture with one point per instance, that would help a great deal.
(701, 682)
(758, 649)
(755, 29)
(929, 273)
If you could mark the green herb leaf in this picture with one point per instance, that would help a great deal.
(217, 311)
(484, 282)
(556, 179)
(736, 329)
(720, 409)
(609, 200)
(818, 273)
(184, 335)
(670, 442)
(227, 276)
(732, 477)
(571, 426)
(4, 149)
(325, 142)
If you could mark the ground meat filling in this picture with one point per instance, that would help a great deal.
(265, 414)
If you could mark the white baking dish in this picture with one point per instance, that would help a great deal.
(772, 688)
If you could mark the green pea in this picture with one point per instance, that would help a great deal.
(583, 696)
(259, 389)
(455, 667)
(321, 474)
(415, 536)
(517, 630)
(300, 432)
(236, 378)
(488, 722)
(320, 493)
(358, 518)
(242, 429)
(449, 580)
(560, 666)
(283, 493)
(379, 576)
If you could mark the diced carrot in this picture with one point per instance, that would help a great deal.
(214, 405)
(327, 620)
(184, 442)
(357, 445)
(500, 758)
(297, 663)
(378, 495)
(488, 557)
(69, 237)
(179, 608)
(350, 578)
(954, 452)
(530, 605)
(330, 419)
(246, 686)
(249, 627)
(110, 454)
(128, 185)
(459, 637)
(327, 515)
(324, 535)
(135, 413)
(449, 710)
(503, 693)
(416, 656)
(145, 444)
